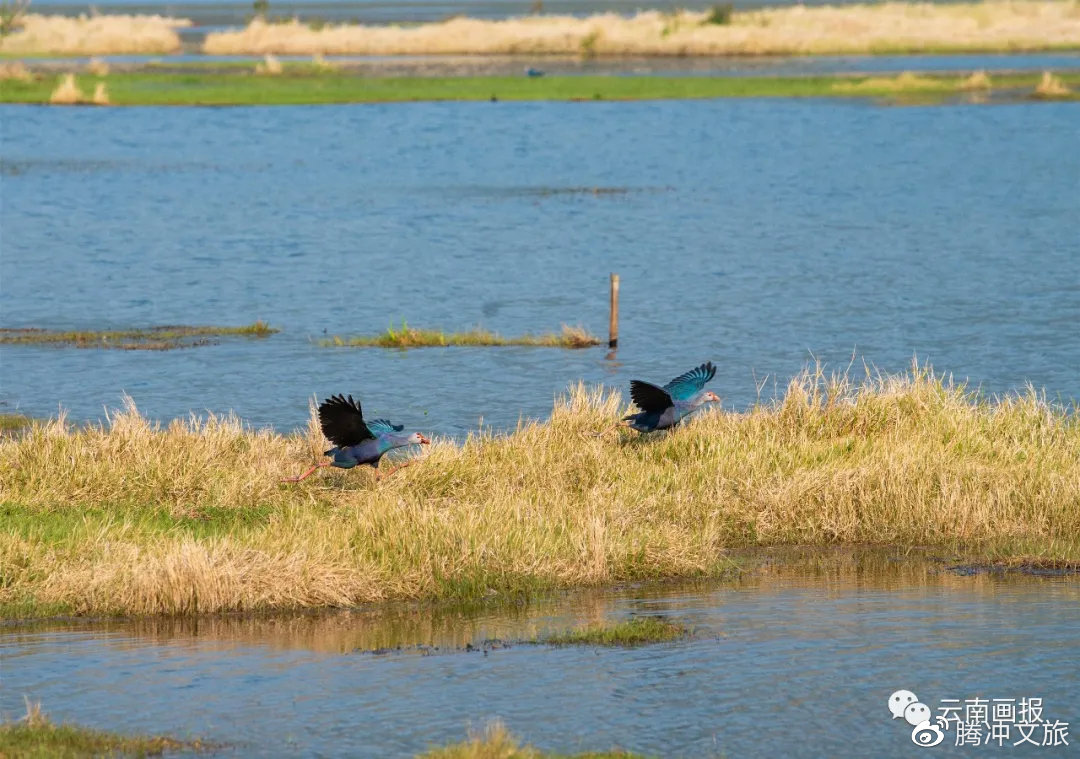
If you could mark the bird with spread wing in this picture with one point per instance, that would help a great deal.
(355, 440)
(664, 407)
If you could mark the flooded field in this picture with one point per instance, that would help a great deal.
(782, 658)
(745, 232)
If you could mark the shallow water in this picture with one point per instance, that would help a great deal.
(796, 662)
(755, 233)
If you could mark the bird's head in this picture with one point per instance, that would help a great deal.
(710, 397)
(418, 438)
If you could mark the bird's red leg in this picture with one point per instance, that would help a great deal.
(381, 476)
(307, 473)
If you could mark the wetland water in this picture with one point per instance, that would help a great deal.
(800, 663)
(750, 232)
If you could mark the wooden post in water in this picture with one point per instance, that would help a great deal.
(613, 324)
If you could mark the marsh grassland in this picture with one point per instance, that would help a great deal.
(149, 338)
(995, 25)
(302, 83)
(133, 518)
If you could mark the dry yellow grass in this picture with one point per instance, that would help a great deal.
(16, 70)
(269, 66)
(1005, 25)
(496, 742)
(94, 35)
(979, 80)
(903, 82)
(1051, 87)
(133, 518)
(101, 95)
(97, 67)
(66, 92)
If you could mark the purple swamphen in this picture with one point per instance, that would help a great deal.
(664, 407)
(356, 441)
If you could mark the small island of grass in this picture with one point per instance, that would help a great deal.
(497, 742)
(148, 339)
(35, 735)
(637, 631)
(410, 337)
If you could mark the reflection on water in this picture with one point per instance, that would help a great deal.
(753, 235)
(799, 656)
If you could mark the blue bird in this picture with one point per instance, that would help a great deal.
(531, 72)
(664, 407)
(356, 441)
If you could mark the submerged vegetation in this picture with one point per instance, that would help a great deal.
(892, 27)
(632, 632)
(37, 737)
(150, 338)
(309, 83)
(496, 742)
(134, 518)
(410, 337)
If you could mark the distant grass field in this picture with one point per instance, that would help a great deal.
(301, 84)
(133, 518)
(149, 338)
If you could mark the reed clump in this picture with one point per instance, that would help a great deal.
(901, 83)
(1050, 86)
(97, 67)
(893, 27)
(411, 337)
(979, 80)
(269, 66)
(134, 517)
(67, 92)
(94, 35)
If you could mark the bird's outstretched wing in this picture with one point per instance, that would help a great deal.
(649, 397)
(380, 426)
(342, 421)
(686, 386)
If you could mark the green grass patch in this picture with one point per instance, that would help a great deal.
(36, 737)
(638, 631)
(304, 84)
(150, 338)
(410, 337)
(497, 743)
(14, 422)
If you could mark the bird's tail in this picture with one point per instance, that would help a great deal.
(331, 452)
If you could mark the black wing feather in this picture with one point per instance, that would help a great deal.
(649, 397)
(343, 421)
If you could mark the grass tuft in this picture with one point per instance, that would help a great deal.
(270, 66)
(36, 736)
(410, 337)
(632, 632)
(66, 92)
(496, 742)
(150, 338)
(134, 517)
(1051, 87)
(12, 422)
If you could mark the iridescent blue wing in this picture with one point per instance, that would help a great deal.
(384, 427)
(686, 386)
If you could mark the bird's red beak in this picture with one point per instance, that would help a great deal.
(424, 440)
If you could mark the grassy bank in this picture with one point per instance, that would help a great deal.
(132, 518)
(37, 737)
(301, 84)
(496, 742)
(996, 25)
(410, 337)
(150, 338)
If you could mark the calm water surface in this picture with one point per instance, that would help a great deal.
(796, 664)
(756, 233)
